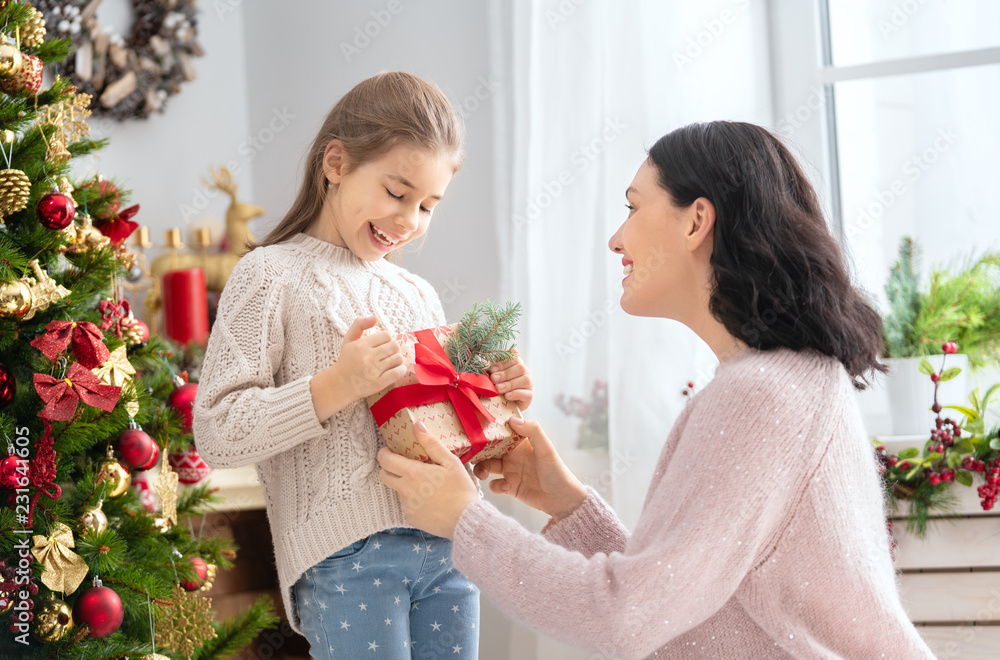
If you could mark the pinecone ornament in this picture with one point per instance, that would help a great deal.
(33, 30)
(15, 188)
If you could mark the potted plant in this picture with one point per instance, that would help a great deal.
(962, 306)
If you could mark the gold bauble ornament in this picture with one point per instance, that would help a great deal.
(114, 476)
(15, 299)
(15, 188)
(33, 30)
(53, 620)
(10, 58)
(210, 578)
(92, 519)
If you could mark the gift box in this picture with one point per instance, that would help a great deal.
(463, 409)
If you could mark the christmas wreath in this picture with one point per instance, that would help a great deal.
(133, 76)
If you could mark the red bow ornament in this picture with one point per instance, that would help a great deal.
(61, 395)
(119, 226)
(472, 428)
(88, 342)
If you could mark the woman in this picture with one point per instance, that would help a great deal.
(763, 532)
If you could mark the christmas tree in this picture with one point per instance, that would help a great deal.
(87, 402)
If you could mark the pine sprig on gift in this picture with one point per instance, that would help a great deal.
(483, 337)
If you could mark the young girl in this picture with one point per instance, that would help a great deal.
(289, 364)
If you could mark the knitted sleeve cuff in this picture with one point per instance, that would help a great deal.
(292, 413)
(593, 527)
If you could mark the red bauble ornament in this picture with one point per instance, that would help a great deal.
(27, 79)
(182, 400)
(188, 465)
(153, 460)
(137, 450)
(8, 472)
(101, 609)
(56, 210)
(201, 570)
(8, 386)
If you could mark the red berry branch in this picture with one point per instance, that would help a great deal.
(954, 452)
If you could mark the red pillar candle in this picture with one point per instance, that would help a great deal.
(185, 305)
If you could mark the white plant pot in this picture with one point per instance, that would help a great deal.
(911, 393)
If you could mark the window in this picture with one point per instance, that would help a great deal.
(909, 127)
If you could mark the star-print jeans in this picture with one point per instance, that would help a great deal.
(392, 595)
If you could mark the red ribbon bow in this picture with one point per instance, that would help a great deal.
(88, 342)
(119, 225)
(438, 381)
(61, 395)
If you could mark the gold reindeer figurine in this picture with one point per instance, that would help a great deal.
(217, 266)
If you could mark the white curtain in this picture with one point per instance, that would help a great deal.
(585, 87)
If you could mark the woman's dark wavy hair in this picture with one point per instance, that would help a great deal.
(779, 275)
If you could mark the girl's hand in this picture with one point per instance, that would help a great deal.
(433, 495)
(369, 363)
(534, 473)
(513, 381)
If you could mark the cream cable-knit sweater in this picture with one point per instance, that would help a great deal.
(281, 320)
(762, 536)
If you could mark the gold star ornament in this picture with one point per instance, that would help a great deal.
(187, 625)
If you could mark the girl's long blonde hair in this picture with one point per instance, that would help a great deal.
(378, 113)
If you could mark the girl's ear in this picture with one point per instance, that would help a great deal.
(334, 159)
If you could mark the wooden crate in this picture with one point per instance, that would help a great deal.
(950, 579)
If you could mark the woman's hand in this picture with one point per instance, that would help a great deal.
(433, 495)
(534, 473)
(513, 381)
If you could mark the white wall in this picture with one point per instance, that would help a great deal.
(161, 159)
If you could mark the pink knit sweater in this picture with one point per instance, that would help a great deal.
(762, 536)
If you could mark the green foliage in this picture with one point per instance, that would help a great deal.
(961, 306)
(132, 556)
(485, 336)
(902, 290)
(233, 635)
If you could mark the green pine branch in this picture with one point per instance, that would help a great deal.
(239, 630)
(484, 336)
(903, 291)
